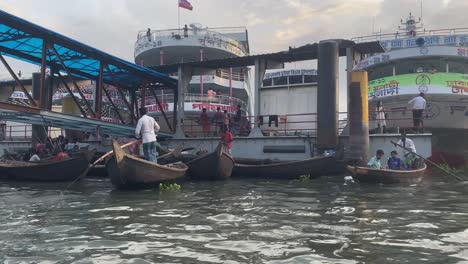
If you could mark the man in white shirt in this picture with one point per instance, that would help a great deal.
(409, 149)
(417, 105)
(146, 129)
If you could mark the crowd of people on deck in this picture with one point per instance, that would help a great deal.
(410, 160)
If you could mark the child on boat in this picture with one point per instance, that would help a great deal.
(375, 162)
(394, 163)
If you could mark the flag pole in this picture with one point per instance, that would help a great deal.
(178, 17)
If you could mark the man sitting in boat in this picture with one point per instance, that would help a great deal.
(375, 162)
(409, 149)
(146, 130)
(394, 163)
(34, 155)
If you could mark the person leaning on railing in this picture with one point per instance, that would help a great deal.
(418, 105)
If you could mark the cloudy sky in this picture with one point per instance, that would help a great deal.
(273, 25)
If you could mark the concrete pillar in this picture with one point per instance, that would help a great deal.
(185, 76)
(260, 68)
(358, 118)
(39, 132)
(327, 94)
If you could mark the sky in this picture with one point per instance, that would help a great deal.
(273, 25)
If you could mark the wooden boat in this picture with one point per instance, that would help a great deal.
(127, 171)
(281, 169)
(68, 169)
(216, 165)
(364, 174)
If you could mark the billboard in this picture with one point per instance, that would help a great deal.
(430, 83)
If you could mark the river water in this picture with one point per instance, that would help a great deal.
(238, 221)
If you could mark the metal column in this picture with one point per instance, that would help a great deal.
(358, 117)
(260, 68)
(184, 75)
(327, 94)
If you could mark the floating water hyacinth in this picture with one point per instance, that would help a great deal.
(169, 187)
(304, 178)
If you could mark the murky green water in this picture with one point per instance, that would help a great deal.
(320, 221)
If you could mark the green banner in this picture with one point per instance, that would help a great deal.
(419, 79)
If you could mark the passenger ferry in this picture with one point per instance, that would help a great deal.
(230, 88)
(433, 62)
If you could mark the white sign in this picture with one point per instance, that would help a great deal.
(289, 73)
(411, 53)
(401, 43)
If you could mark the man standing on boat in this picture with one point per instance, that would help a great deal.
(409, 150)
(417, 105)
(146, 129)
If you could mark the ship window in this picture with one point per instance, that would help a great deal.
(420, 66)
(458, 67)
(295, 79)
(267, 82)
(380, 72)
(280, 80)
(310, 78)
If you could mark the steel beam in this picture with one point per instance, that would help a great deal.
(43, 72)
(161, 108)
(115, 83)
(88, 106)
(113, 105)
(98, 92)
(77, 102)
(17, 80)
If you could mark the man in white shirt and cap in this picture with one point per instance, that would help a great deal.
(409, 150)
(418, 105)
(146, 129)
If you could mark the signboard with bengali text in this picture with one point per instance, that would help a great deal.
(437, 83)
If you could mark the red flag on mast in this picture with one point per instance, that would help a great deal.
(185, 4)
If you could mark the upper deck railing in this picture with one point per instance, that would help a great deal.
(205, 35)
(403, 35)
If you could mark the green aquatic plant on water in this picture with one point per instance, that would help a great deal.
(304, 178)
(169, 187)
(456, 171)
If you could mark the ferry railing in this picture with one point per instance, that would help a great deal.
(396, 120)
(233, 102)
(402, 35)
(303, 124)
(180, 33)
(23, 132)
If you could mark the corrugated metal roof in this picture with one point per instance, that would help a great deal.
(306, 52)
(24, 40)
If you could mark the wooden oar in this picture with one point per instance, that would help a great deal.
(433, 163)
(99, 160)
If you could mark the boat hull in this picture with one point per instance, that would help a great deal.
(363, 174)
(45, 171)
(313, 167)
(127, 171)
(217, 165)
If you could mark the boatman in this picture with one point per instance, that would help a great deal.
(409, 150)
(146, 130)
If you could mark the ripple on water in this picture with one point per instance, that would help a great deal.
(312, 258)
(260, 247)
(204, 237)
(422, 225)
(222, 218)
(196, 227)
(116, 208)
(458, 237)
(284, 232)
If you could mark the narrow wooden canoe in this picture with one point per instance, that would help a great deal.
(364, 174)
(67, 169)
(127, 171)
(216, 165)
(278, 169)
